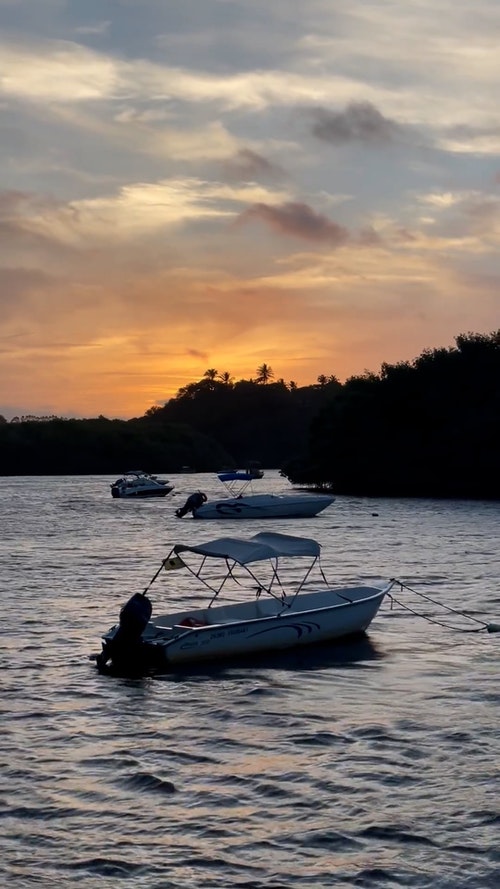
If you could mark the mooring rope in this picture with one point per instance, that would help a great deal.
(489, 627)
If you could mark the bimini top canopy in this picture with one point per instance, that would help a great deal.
(255, 549)
(237, 477)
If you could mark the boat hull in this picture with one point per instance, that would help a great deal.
(143, 493)
(270, 634)
(265, 506)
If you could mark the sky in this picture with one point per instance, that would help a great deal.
(195, 184)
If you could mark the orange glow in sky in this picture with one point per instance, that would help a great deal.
(218, 192)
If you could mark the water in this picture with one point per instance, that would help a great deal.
(366, 765)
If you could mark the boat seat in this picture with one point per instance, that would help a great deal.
(193, 622)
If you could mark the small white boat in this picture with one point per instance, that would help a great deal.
(278, 611)
(140, 484)
(242, 505)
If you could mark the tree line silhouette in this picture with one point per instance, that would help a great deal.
(429, 427)
(426, 428)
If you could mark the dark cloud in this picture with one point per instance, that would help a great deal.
(358, 122)
(404, 235)
(247, 165)
(300, 221)
(464, 132)
(195, 353)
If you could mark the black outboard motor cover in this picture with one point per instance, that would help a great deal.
(134, 618)
(193, 502)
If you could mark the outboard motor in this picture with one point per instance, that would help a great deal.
(116, 487)
(193, 502)
(134, 618)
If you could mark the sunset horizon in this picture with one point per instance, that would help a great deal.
(222, 185)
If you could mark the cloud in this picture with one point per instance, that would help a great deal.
(99, 28)
(298, 220)
(247, 165)
(358, 122)
(17, 203)
(65, 71)
(464, 138)
(58, 71)
(135, 212)
(196, 353)
(468, 213)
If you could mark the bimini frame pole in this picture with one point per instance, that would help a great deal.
(301, 584)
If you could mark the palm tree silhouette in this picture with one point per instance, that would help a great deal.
(211, 374)
(264, 374)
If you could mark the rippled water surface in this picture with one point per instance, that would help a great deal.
(373, 764)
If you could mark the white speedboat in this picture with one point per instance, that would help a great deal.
(241, 505)
(276, 613)
(257, 506)
(140, 484)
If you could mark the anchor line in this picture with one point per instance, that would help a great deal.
(483, 625)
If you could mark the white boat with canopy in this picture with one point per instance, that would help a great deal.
(282, 607)
(242, 503)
